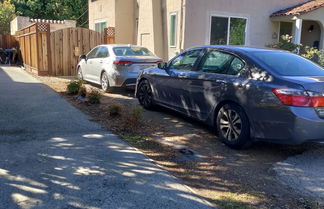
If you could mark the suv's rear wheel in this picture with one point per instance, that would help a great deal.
(104, 82)
(233, 126)
(145, 95)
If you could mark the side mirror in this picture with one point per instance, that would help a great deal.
(83, 57)
(162, 65)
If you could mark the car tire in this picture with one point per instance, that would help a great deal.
(233, 126)
(104, 81)
(145, 95)
(79, 74)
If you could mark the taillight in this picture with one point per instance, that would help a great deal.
(123, 63)
(299, 98)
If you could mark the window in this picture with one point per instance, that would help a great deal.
(173, 30)
(100, 26)
(216, 62)
(103, 52)
(287, 64)
(228, 31)
(236, 66)
(132, 51)
(286, 28)
(186, 61)
(93, 53)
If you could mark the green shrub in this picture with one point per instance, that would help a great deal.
(285, 43)
(74, 87)
(94, 97)
(115, 109)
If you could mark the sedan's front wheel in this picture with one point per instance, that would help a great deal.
(104, 82)
(80, 75)
(145, 95)
(233, 126)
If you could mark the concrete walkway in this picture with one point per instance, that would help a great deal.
(53, 156)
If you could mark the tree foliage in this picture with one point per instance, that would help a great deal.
(7, 13)
(54, 9)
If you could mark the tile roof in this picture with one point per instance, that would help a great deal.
(300, 9)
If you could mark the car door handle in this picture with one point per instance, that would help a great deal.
(221, 82)
(101, 61)
(182, 75)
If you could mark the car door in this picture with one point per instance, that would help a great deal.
(89, 64)
(99, 62)
(217, 74)
(171, 89)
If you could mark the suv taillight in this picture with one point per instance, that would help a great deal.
(299, 98)
(123, 63)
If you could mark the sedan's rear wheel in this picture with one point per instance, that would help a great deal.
(145, 95)
(104, 82)
(233, 126)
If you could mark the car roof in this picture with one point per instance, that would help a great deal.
(239, 49)
(121, 45)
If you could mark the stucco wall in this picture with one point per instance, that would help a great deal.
(174, 6)
(101, 10)
(260, 29)
(19, 23)
(125, 21)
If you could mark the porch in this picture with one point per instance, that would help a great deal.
(305, 23)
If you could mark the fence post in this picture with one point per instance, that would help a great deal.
(43, 48)
(109, 35)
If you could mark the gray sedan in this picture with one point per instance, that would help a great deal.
(246, 94)
(115, 65)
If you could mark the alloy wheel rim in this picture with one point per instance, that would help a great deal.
(104, 82)
(230, 124)
(145, 95)
(80, 74)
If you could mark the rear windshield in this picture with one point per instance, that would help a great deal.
(288, 64)
(132, 51)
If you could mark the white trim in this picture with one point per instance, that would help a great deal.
(175, 30)
(212, 14)
(100, 21)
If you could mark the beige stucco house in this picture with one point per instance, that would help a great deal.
(170, 26)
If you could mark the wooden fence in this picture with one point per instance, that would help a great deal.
(34, 43)
(8, 41)
(66, 47)
(57, 53)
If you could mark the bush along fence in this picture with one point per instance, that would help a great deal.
(57, 53)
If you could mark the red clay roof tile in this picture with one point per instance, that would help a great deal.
(300, 9)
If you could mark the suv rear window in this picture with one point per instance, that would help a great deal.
(132, 51)
(288, 64)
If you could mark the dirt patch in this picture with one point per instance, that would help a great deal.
(191, 152)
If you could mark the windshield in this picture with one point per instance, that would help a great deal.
(132, 51)
(288, 64)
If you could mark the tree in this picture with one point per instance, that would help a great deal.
(7, 13)
(54, 9)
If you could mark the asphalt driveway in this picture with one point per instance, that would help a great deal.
(53, 156)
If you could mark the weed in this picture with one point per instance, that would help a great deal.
(94, 97)
(115, 109)
(82, 92)
(74, 87)
(133, 119)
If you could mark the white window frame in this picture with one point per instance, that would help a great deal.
(175, 30)
(229, 16)
(98, 22)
